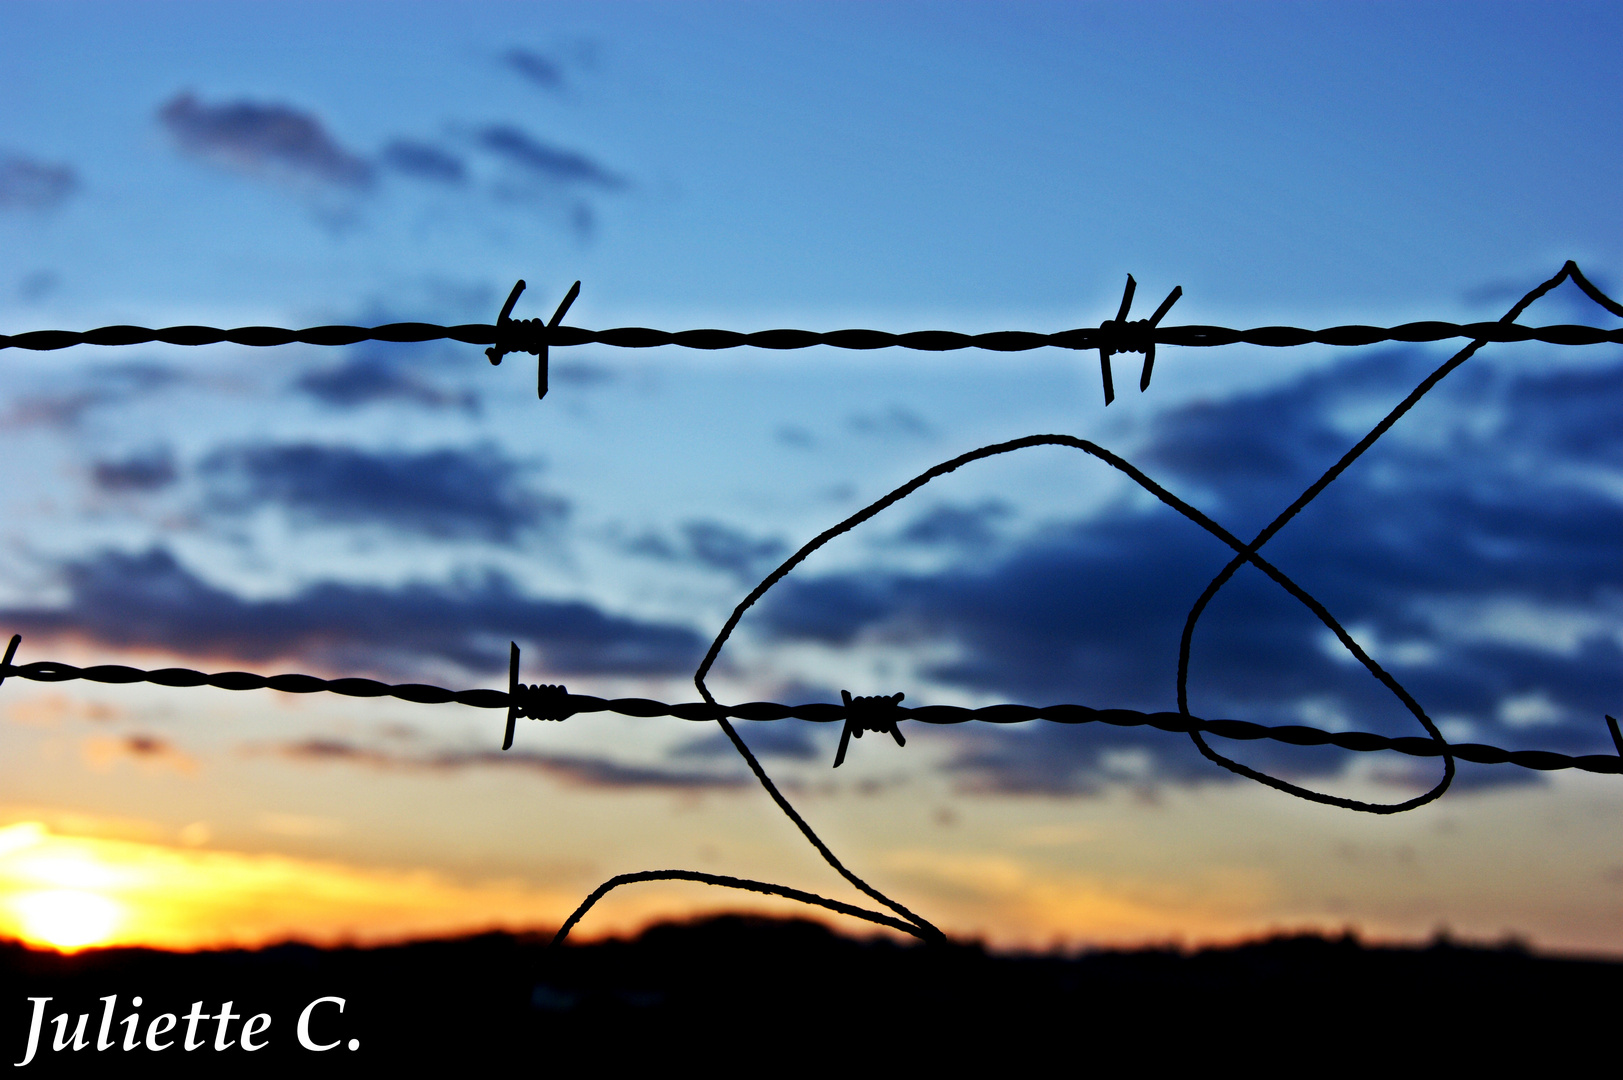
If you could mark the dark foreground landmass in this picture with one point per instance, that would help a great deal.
(750, 995)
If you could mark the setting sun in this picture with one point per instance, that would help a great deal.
(66, 919)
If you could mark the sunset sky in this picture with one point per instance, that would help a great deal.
(402, 512)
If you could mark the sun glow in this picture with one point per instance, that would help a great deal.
(66, 919)
(76, 892)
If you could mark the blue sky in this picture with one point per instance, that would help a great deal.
(406, 510)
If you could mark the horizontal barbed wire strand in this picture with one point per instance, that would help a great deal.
(529, 335)
(638, 337)
(50, 671)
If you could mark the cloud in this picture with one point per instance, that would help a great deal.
(956, 526)
(369, 379)
(447, 494)
(577, 770)
(424, 161)
(542, 71)
(782, 738)
(714, 546)
(102, 752)
(148, 471)
(898, 421)
(27, 184)
(582, 373)
(263, 139)
(1478, 552)
(36, 286)
(151, 601)
(546, 162)
(114, 384)
(796, 436)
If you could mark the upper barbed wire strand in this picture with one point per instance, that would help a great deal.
(639, 337)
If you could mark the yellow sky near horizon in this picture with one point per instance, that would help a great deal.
(199, 842)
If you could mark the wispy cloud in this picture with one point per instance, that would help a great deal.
(149, 471)
(151, 601)
(897, 421)
(546, 162)
(29, 184)
(114, 384)
(270, 139)
(425, 161)
(539, 69)
(714, 546)
(956, 526)
(574, 769)
(102, 752)
(450, 494)
(782, 738)
(370, 379)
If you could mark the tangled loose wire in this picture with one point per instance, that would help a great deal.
(884, 713)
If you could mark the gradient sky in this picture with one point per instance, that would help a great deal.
(404, 511)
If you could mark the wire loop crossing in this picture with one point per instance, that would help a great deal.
(884, 713)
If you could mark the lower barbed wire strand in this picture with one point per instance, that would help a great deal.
(824, 713)
(747, 885)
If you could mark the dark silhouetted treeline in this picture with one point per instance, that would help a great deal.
(742, 994)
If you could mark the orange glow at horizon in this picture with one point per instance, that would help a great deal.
(74, 892)
(66, 919)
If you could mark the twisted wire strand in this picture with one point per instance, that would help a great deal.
(51, 671)
(532, 338)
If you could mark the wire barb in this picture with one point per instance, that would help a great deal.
(537, 701)
(878, 713)
(1118, 335)
(528, 335)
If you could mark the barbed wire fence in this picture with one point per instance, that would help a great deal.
(883, 714)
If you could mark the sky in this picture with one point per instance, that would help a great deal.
(404, 511)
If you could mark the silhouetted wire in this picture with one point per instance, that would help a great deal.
(562, 705)
(1085, 338)
(1245, 553)
(1113, 336)
(1570, 270)
(724, 881)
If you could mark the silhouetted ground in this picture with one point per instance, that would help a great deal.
(742, 994)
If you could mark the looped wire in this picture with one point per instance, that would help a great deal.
(879, 713)
(537, 701)
(17, 639)
(1118, 335)
(528, 335)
